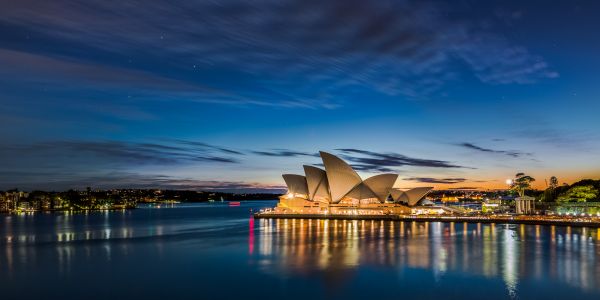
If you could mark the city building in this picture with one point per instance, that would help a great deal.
(339, 189)
(9, 200)
(3, 203)
(492, 206)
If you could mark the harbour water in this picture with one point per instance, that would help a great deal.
(213, 251)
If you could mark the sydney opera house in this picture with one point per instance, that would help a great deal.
(340, 190)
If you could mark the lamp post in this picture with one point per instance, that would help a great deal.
(510, 183)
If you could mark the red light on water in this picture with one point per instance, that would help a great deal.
(251, 236)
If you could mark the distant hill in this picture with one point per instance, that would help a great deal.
(551, 195)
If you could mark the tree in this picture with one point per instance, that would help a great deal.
(551, 192)
(579, 194)
(521, 183)
(550, 195)
(553, 182)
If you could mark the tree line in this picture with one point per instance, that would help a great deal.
(587, 190)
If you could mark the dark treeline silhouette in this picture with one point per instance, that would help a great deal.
(14, 199)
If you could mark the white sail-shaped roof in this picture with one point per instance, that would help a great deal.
(318, 186)
(381, 185)
(361, 191)
(296, 184)
(339, 180)
(412, 196)
(341, 177)
(397, 194)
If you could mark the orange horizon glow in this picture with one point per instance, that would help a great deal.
(500, 184)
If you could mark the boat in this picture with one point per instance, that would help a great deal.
(234, 203)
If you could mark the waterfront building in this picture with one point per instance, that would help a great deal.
(492, 206)
(525, 205)
(9, 200)
(452, 199)
(339, 189)
(25, 205)
(3, 203)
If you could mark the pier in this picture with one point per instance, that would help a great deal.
(498, 219)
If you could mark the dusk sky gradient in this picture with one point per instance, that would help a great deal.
(228, 95)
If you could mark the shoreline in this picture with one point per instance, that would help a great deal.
(446, 219)
(64, 210)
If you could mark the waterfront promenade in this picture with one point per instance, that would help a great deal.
(498, 219)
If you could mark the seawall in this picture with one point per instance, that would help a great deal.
(537, 220)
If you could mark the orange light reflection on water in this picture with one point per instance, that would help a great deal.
(490, 250)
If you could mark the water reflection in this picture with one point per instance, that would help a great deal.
(208, 247)
(61, 238)
(511, 253)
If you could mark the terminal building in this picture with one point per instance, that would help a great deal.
(338, 189)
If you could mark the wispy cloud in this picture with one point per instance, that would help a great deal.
(111, 153)
(436, 180)
(366, 168)
(578, 139)
(64, 164)
(50, 69)
(464, 188)
(395, 48)
(385, 162)
(142, 85)
(107, 180)
(373, 168)
(284, 153)
(511, 153)
(209, 146)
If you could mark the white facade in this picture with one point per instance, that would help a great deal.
(318, 186)
(296, 184)
(411, 196)
(339, 181)
(525, 205)
(342, 178)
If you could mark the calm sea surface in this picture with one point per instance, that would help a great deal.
(212, 251)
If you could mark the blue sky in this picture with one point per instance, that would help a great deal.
(227, 95)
